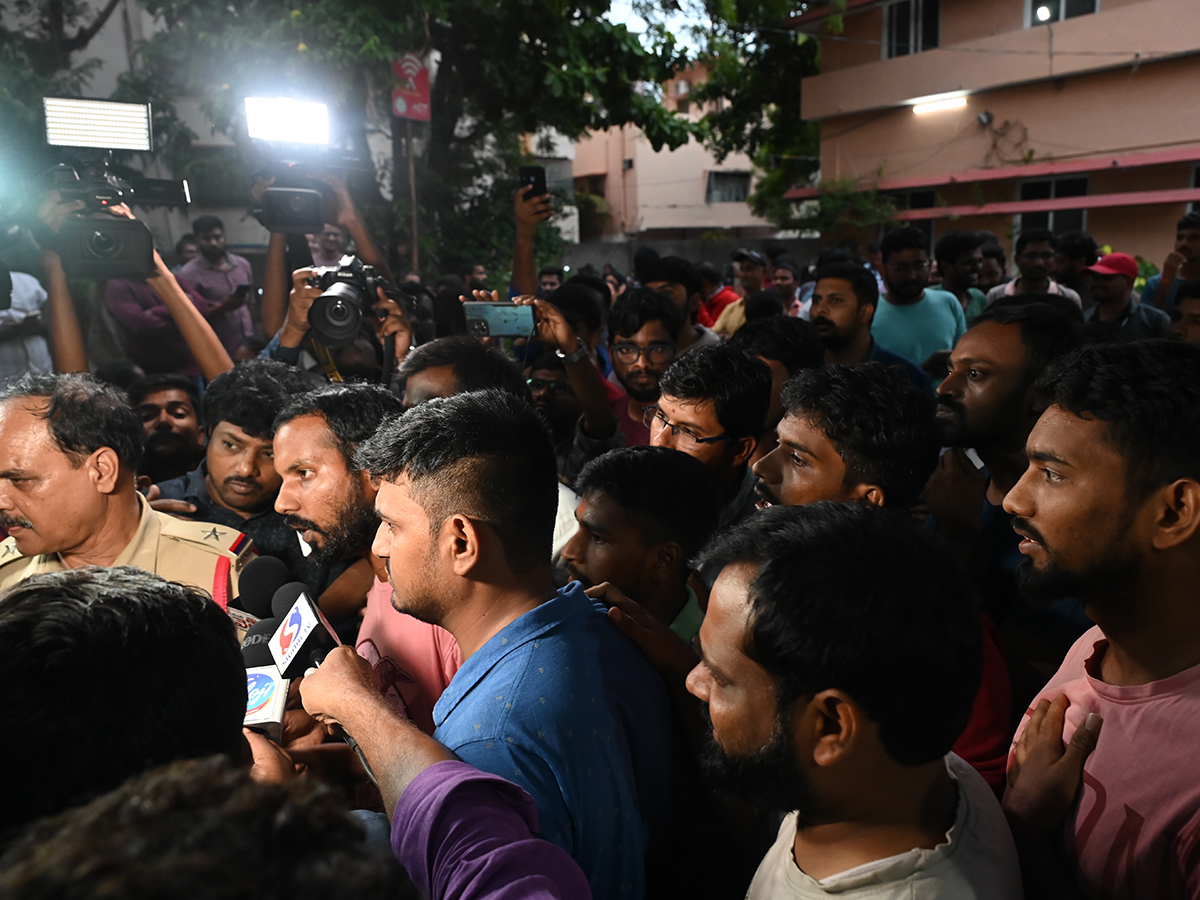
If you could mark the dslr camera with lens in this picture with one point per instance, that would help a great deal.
(348, 292)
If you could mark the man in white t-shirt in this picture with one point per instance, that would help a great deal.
(23, 346)
(835, 690)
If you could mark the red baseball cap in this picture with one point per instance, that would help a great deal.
(1116, 264)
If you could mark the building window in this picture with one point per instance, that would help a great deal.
(728, 187)
(918, 199)
(910, 26)
(1040, 12)
(1058, 221)
(1195, 206)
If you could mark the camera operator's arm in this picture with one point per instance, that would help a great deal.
(208, 351)
(529, 213)
(598, 421)
(347, 216)
(66, 337)
(275, 286)
(206, 348)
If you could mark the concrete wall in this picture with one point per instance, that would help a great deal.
(719, 253)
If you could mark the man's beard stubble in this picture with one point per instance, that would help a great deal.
(353, 528)
(1116, 567)
(770, 778)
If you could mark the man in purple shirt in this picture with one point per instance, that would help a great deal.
(216, 274)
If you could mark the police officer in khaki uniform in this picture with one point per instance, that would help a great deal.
(69, 449)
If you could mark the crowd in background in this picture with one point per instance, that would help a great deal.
(860, 576)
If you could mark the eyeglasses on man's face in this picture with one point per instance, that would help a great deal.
(656, 420)
(550, 386)
(658, 352)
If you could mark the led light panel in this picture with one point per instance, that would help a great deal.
(284, 120)
(97, 123)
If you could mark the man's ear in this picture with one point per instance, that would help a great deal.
(460, 539)
(104, 468)
(872, 494)
(743, 450)
(828, 727)
(664, 562)
(866, 313)
(370, 485)
(1176, 513)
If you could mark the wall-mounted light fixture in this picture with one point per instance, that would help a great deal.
(940, 105)
(985, 118)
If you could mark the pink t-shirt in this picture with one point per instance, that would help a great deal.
(1135, 831)
(413, 661)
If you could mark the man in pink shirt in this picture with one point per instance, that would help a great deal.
(1109, 510)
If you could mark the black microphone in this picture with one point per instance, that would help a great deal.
(258, 583)
(304, 635)
(256, 650)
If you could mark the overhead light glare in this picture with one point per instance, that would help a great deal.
(284, 120)
(940, 105)
(103, 124)
(1043, 13)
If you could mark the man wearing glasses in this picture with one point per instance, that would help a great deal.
(642, 325)
(713, 406)
(913, 320)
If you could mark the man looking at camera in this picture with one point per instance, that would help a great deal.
(216, 274)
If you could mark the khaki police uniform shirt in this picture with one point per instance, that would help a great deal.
(200, 554)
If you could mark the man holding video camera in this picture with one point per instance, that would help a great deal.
(219, 275)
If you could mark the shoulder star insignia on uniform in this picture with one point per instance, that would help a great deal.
(9, 550)
(214, 534)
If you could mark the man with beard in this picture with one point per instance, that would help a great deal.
(1181, 264)
(835, 691)
(169, 407)
(643, 513)
(987, 404)
(642, 325)
(1117, 315)
(679, 280)
(216, 275)
(959, 255)
(236, 482)
(330, 502)
(1034, 255)
(549, 694)
(1109, 511)
(913, 320)
(844, 301)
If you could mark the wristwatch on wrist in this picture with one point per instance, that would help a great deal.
(580, 354)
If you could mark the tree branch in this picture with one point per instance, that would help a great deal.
(84, 36)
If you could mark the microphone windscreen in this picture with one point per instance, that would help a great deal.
(258, 583)
(256, 646)
(286, 596)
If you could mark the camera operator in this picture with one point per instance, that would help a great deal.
(66, 337)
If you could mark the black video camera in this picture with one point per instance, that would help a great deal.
(95, 243)
(348, 294)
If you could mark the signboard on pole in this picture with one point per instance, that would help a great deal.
(410, 96)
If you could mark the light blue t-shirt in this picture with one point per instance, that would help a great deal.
(1151, 288)
(933, 323)
(563, 704)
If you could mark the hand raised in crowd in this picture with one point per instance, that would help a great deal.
(393, 320)
(1044, 778)
(346, 212)
(300, 300)
(531, 211)
(1171, 265)
(553, 330)
(664, 649)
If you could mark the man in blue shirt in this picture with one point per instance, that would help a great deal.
(1182, 264)
(550, 695)
(913, 320)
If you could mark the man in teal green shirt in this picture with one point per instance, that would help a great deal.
(959, 255)
(913, 320)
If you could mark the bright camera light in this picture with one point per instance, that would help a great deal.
(97, 123)
(940, 105)
(1043, 13)
(288, 121)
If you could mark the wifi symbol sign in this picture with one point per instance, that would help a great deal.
(410, 65)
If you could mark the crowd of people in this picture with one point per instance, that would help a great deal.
(872, 577)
